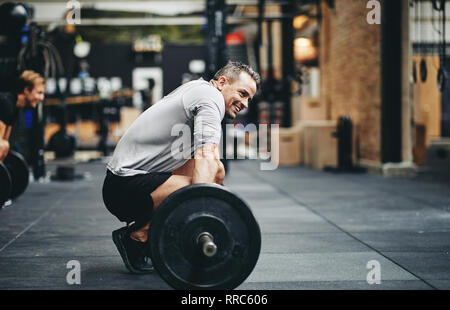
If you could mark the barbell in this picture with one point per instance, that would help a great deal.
(203, 236)
(14, 176)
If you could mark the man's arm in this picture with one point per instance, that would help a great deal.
(5, 132)
(3, 128)
(207, 165)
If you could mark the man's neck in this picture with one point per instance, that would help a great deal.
(213, 83)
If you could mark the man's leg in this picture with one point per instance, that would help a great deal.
(181, 177)
(174, 183)
(131, 244)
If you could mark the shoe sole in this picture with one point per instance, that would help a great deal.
(117, 241)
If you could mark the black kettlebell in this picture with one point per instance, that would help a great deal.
(62, 144)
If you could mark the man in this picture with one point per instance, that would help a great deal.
(144, 169)
(29, 92)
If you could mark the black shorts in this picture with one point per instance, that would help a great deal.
(128, 197)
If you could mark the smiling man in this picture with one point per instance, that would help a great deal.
(30, 91)
(143, 170)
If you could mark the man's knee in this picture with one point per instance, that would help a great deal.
(174, 183)
(187, 169)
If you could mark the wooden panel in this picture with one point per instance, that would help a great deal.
(319, 146)
(427, 99)
(305, 108)
(290, 146)
(87, 131)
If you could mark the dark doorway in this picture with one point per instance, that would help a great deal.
(391, 81)
(445, 118)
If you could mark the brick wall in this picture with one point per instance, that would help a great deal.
(350, 64)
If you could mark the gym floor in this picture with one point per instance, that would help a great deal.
(319, 231)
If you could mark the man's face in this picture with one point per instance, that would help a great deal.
(237, 94)
(33, 97)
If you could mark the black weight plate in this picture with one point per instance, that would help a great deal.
(5, 184)
(18, 169)
(180, 219)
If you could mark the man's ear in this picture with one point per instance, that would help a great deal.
(20, 99)
(27, 91)
(221, 82)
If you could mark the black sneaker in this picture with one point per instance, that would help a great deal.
(148, 249)
(134, 253)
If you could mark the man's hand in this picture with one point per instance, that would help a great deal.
(4, 149)
(220, 176)
(207, 165)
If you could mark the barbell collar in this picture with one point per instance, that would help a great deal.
(206, 242)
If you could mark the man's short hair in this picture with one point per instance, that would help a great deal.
(233, 69)
(29, 79)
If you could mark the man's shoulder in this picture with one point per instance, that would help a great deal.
(7, 106)
(7, 100)
(201, 90)
(199, 83)
(204, 89)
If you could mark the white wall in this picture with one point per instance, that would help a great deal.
(424, 31)
(48, 12)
